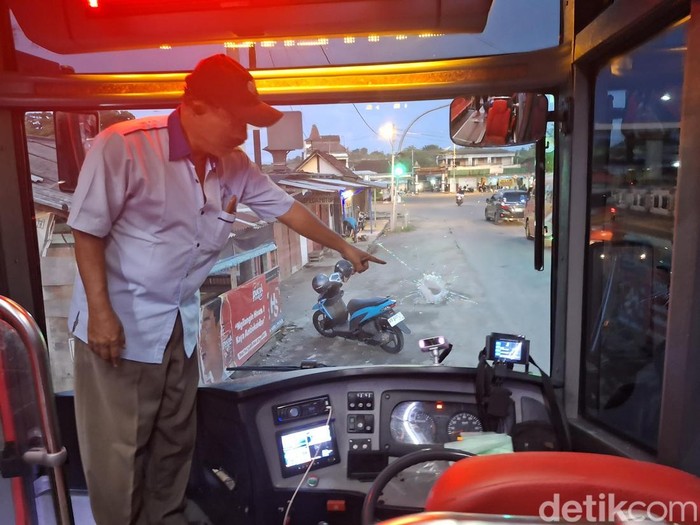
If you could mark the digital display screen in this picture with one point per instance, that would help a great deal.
(298, 446)
(508, 348)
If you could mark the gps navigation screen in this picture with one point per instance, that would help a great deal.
(509, 350)
(299, 446)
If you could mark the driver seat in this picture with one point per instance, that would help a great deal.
(541, 483)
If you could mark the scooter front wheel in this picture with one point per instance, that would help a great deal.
(394, 344)
(319, 320)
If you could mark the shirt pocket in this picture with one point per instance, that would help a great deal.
(227, 217)
(219, 231)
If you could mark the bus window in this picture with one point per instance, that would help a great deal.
(631, 214)
(74, 131)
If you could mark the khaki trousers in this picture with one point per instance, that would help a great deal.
(136, 429)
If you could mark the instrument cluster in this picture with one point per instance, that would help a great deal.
(432, 422)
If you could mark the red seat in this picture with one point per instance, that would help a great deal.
(459, 106)
(539, 483)
(498, 122)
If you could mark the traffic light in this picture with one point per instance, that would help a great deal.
(399, 169)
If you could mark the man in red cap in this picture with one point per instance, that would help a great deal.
(155, 202)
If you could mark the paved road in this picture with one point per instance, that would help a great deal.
(488, 278)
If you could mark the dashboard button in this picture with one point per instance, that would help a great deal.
(335, 505)
(360, 400)
(360, 423)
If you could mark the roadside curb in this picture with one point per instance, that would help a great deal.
(373, 244)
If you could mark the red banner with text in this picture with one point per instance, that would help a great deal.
(245, 321)
(236, 324)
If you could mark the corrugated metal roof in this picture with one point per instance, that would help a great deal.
(340, 183)
(308, 185)
(222, 266)
(347, 184)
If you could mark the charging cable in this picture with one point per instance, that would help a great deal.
(301, 481)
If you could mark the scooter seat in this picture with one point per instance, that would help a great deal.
(356, 304)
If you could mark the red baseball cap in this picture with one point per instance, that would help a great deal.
(221, 81)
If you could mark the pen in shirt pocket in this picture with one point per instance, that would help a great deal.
(228, 214)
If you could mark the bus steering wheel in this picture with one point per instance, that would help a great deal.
(391, 470)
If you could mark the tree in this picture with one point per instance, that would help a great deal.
(424, 157)
(360, 153)
(549, 161)
(107, 118)
(39, 124)
(524, 154)
(294, 161)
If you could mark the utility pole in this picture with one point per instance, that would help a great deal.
(454, 165)
(392, 222)
(388, 131)
(403, 136)
(413, 172)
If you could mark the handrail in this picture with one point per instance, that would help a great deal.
(55, 453)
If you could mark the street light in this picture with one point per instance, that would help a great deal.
(388, 131)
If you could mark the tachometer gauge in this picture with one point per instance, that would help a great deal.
(463, 422)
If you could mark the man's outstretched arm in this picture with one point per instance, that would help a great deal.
(300, 219)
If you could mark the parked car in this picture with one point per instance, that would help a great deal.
(505, 205)
(530, 215)
(530, 221)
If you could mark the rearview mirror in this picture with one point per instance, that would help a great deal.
(487, 121)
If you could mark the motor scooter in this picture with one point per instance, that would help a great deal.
(459, 198)
(372, 321)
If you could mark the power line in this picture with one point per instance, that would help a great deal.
(363, 120)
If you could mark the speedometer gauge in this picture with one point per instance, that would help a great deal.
(412, 425)
(463, 422)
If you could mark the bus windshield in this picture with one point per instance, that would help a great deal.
(453, 270)
(520, 177)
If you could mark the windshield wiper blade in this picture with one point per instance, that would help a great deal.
(306, 364)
